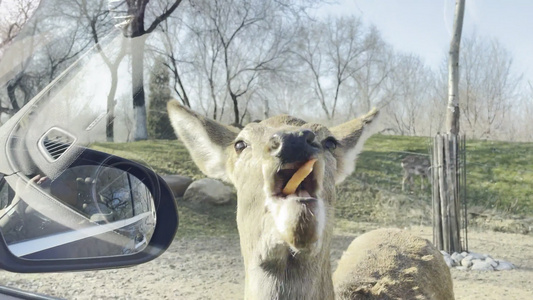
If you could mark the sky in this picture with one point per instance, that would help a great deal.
(424, 27)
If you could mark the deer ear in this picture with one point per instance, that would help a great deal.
(206, 140)
(352, 136)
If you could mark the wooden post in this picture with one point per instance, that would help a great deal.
(455, 175)
(437, 222)
(446, 203)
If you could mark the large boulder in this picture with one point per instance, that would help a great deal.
(177, 183)
(209, 191)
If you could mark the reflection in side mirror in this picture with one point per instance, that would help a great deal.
(88, 211)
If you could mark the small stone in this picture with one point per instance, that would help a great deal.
(461, 268)
(177, 183)
(491, 261)
(475, 255)
(210, 191)
(457, 258)
(480, 265)
(449, 261)
(503, 265)
(466, 262)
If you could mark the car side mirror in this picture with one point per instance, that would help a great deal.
(101, 212)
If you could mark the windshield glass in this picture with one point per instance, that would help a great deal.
(101, 75)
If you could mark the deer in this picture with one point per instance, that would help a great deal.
(284, 170)
(415, 165)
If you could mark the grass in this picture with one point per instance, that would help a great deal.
(499, 177)
(207, 220)
(163, 156)
(499, 174)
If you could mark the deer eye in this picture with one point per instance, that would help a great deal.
(330, 143)
(240, 146)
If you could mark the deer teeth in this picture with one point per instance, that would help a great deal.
(298, 177)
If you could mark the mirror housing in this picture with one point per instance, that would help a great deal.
(166, 225)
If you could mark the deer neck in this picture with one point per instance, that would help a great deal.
(292, 277)
(273, 271)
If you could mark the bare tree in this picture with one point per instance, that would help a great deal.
(15, 15)
(488, 86)
(171, 34)
(523, 125)
(446, 230)
(412, 96)
(452, 116)
(132, 15)
(94, 19)
(248, 38)
(332, 52)
(372, 84)
(48, 59)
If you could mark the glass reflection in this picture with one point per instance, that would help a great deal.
(88, 211)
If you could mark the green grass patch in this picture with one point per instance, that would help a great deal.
(499, 174)
(163, 156)
(207, 220)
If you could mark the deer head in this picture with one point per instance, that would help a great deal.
(415, 165)
(285, 237)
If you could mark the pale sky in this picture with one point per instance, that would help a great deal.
(424, 27)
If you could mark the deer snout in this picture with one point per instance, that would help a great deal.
(291, 147)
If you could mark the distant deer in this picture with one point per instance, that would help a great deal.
(415, 165)
(285, 211)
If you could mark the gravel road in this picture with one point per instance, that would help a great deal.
(211, 268)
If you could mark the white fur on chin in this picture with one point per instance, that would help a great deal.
(283, 217)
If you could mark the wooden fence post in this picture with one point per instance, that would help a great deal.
(446, 203)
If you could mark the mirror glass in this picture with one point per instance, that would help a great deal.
(87, 211)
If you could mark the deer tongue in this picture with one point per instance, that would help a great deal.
(298, 177)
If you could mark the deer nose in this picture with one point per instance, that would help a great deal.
(293, 146)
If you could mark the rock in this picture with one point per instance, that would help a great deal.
(209, 191)
(491, 261)
(461, 268)
(475, 255)
(449, 261)
(503, 265)
(466, 262)
(457, 258)
(177, 183)
(481, 265)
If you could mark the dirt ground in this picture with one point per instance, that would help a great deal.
(211, 268)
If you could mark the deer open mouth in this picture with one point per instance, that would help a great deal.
(286, 183)
(295, 204)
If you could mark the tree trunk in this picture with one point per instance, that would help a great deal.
(234, 99)
(446, 231)
(11, 87)
(452, 115)
(137, 85)
(109, 129)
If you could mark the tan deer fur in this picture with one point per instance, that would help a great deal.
(285, 239)
(415, 165)
(391, 264)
